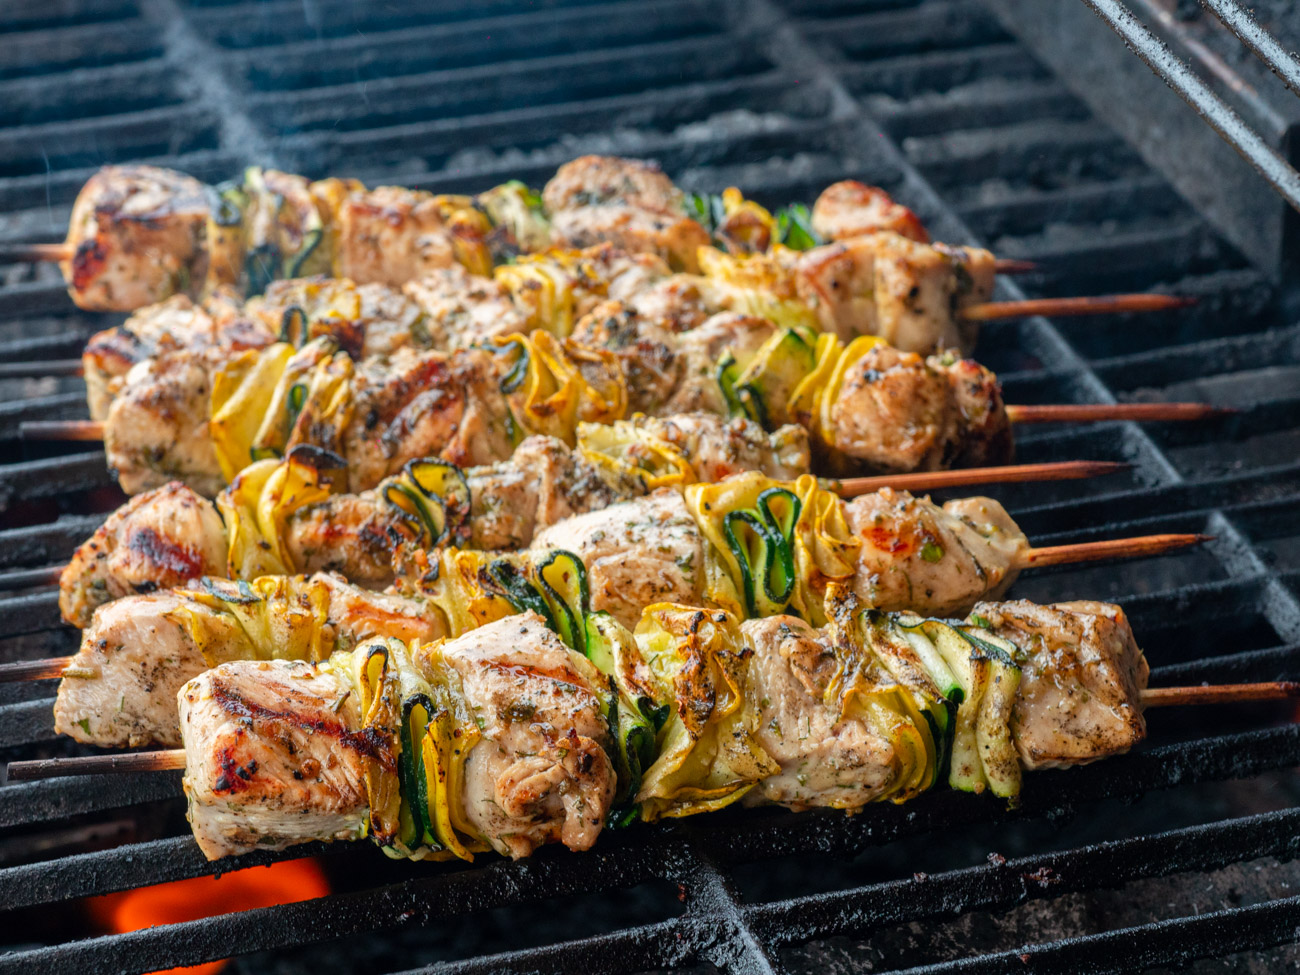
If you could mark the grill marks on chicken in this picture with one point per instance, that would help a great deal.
(158, 540)
(120, 688)
(177, 324)
(898, 411)
(136, 235)
(157, 428)
(670, 372)
(271, 758)
(275, 754)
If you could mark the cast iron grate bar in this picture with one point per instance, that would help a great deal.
(1217, 114)
(1265, 46)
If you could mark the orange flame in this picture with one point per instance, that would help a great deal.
(190, 900)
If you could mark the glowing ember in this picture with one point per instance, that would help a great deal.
(189, 900)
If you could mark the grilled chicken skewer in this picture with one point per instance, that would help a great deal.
(509, 737)
(285, 518)
(185, 416)
(712, 545)
(140, 235)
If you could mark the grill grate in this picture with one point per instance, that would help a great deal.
(932, 99)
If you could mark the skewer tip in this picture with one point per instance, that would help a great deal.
(1068, 470)
(25, 670)
(71, 430)
(50, 768)
(1141, 546)
(34, 253)
(1161, 697)
(1083, 305)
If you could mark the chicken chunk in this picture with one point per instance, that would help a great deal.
(391, 235)
(930, 560)
(675, 304)
(543, 483)
(160, 539)
(908, 293)
(703, 349)
(852, 209)
(1082, 676)
(896, 412)
(425, 404)
(718, 447)
(345, 533)
(461, 309)
(137, 235)
(542, 771)
(175, 324)
(120, 688)
(610, 181)
(899, 412)
(825, 760)
(272, 757)
(157, 428)
(636, 553)
(985, 438)
(647, 352)
(626, 202)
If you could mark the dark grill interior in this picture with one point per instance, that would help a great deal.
(1147, 861)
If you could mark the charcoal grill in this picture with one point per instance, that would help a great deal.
(1176, 854)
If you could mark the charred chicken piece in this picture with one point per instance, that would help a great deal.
(542, 773)
(277, 753)
(137, 234)
(158, 540)
(120, 688)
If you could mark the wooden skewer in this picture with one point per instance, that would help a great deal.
(1061, 307)
(174, 758)
(1010, 265)
(48, 768)
(87, 430)
(1101, 412)
(1111, 548)
(34, 253)
(1164, 697)
(46, 669)
(852, 487)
